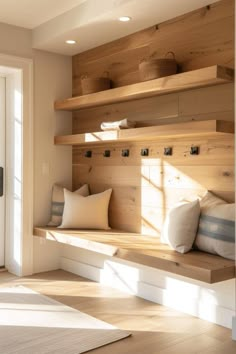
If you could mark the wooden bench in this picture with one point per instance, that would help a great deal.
(144, 250)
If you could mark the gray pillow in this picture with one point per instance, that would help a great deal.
(58, 201)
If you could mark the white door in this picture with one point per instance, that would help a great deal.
(2, 168)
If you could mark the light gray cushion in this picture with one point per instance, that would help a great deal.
(181, 225)
(216, 233)
(57, 204)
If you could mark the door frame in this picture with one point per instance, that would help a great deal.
(3, 165)
(19, 241)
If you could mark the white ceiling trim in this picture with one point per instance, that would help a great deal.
(94, 22)
(90, 22)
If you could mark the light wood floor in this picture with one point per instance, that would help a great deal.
(156, 329)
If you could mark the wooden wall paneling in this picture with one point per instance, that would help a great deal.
(111, 57)
(136, 40)
(122, 69)
(218, 179)
(212, 151)
(219, 11)
(139, 110)
(207, 100)
(148, 221)
(145, 188)
(204, 16)
(86, 125)
(148, 196)
(199, 39)
(212, 177)
(215, 102)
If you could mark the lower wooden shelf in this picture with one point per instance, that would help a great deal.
(144, 250)
(193, 128)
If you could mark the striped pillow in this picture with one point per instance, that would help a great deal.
(216, 232)
(57, 205)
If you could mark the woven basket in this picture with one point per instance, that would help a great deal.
(150, 69)
(91, 85)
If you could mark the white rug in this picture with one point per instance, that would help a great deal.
(31, 323)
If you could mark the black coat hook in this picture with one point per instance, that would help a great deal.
(194, 150)
(125, 153)
(88, 153)
(107, 153)
(144, 152)
(168, 151)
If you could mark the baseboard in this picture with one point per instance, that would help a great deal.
(234, 328)
(81, 269)
(199, 307)
(46, 255)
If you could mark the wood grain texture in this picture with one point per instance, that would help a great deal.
(145, 188)
(213, 151)
(198, 39)
(145, 250)
(210, 76)
(215, 102)
(191, 129)
(36, 321)
(155, 329)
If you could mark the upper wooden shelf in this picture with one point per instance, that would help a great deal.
(193, 128)
(213, 75)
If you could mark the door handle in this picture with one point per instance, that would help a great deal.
(1, 181)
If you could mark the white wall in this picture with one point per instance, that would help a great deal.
(52, 76)
(53, 80)
(15, 41)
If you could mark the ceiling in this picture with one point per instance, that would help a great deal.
(90, 22)
(33, 13)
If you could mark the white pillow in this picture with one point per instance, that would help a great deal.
(181, 225)
(57, 204)
(86, 212)
(216, 233)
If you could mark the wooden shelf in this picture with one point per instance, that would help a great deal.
(209, 127)
(144, 250)
(213, 75)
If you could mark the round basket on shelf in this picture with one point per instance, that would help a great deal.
(92, 85)
(151, 68)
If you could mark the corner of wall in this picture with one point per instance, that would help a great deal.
(52, 76)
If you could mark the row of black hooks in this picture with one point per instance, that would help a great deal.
(168, 151)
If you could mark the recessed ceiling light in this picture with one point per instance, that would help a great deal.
(124, 18)
(70, 41)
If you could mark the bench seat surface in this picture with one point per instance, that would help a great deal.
(145, 250)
